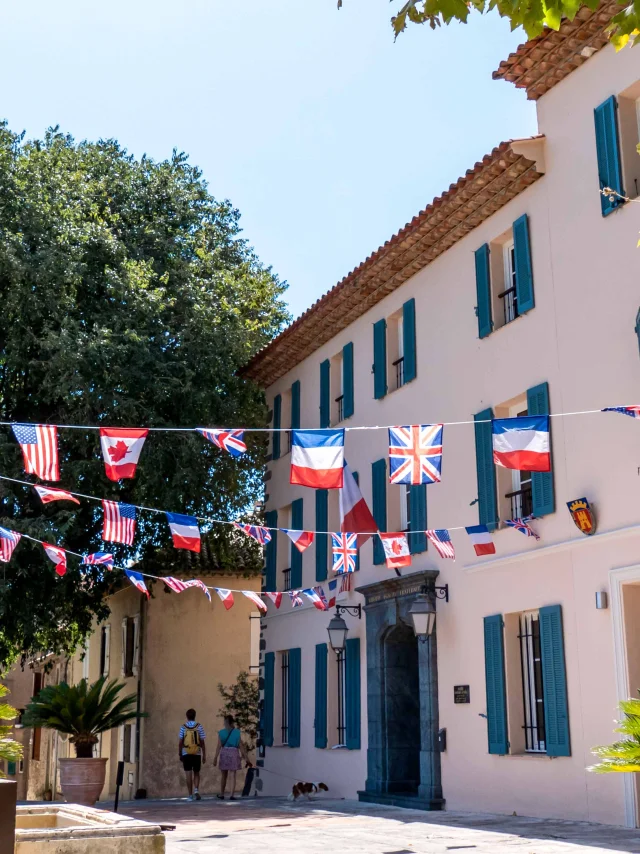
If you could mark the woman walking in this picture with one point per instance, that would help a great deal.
(230, 751)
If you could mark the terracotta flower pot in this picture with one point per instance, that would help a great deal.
(81, 780)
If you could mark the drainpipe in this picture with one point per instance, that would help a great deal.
(141, 634)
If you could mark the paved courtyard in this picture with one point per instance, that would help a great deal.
(268, 825)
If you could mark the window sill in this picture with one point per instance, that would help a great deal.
(505, 325)
(529, 756)
(339, 747)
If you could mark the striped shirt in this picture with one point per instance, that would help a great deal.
(201, 733)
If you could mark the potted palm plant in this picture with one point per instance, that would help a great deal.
(82, 712)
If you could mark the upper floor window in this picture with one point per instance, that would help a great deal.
(337, 400)
(394, 350)
(285, 418)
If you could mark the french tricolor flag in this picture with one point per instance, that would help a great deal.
(317, 458)
(226, 596)
(185, 531)
(481, 539)
(300, 539)
(522, 443)
(355, 515)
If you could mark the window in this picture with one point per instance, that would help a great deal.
(532, 693)
(519, 495)
(629, 118)
(127, 743)
(286, 420)
(254, 643)
(284, 697)
(341, 718)
(337, 389)
(405, 507)
(105, 643)
(509, 295)
(286, 554)
(37, 733)
(129, 646)
(394, 350)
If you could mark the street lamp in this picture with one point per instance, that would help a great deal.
(338, 629)
(423, 610)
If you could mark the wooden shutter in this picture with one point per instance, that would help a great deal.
(483, 291)
(410, 364)
(637, 327)
(487, 504)
(347, 381)
(297, 524)
(123, 659)
(322, 540)
(136, 645)
(325, 393)
(542, 490)
(321, 696)
(379, 501)
(295, 405)
(352, 690)
(269, 692)
(380, 359)
(554, 682)
(495, 682)
(277, 423)
(295, 694)
(524, 269)
(418, 518)
(608, 151)
(271, 552)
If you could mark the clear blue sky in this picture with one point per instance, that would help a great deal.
(324, 133)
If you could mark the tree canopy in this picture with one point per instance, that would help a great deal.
(128, 299)
(531, 15)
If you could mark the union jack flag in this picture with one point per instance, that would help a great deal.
(227, 440)
(262, 535)
(345, 552)
(633, 411)
(296, 601)
(523, 526)
(8, 541)
(442, 543)
(320, 591)
(415, 454)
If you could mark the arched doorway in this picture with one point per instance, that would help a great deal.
(401, 709)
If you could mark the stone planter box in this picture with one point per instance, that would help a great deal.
(74, 829)
(7, 815)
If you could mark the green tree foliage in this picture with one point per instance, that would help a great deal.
(531, 15)
(10, 750)
(241, 701)
(622, 756)
(128, 298)
(82, 711)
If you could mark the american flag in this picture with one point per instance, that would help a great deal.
(296, 601)
(8, 541)
(345, 552)
(39, 443)
(442, 542)
(262, 535)
(177, 585)
(415, 454)
(633, 411)
(276, 598)
(227, 440)
(103, 558)
(523, 526)
(119, 522)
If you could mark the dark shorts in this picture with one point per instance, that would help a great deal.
(192, 763)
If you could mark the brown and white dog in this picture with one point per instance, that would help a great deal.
(307, 790)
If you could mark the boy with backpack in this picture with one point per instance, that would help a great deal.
(192, 752)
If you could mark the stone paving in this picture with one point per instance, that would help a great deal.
(270, 825)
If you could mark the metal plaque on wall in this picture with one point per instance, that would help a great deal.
(461, 694)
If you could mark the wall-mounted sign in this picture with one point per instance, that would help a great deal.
(582, 515)
(461, 694)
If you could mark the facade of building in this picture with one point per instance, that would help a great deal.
(172, 652)
(514, 292)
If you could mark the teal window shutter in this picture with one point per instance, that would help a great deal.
(322, 540)
(608, 151)
(637, 327)
(379, 489)
(352, 692)
(295, 405)
(410, 364)
(487, 503)
(544, 501)
(297, 523)
(321, 696)
(496, 685)
(379, 359)
(347, 381)
(295, 693)
(271, 552)
(418, 518)
(524, 269)
(554, 682)
(356, 477)
(269, 693)
(483, 291)
(277, 418)
(325, 393)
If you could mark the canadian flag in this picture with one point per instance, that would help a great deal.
(396, 550)
(121, 447)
